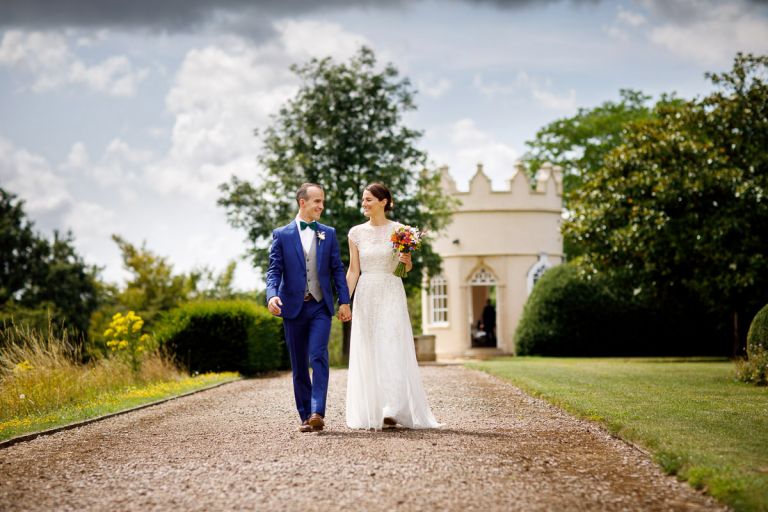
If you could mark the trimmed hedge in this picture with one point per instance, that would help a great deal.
(758, 330)
(567, 315)
(755, 368)
(220, 336)
(564, 316)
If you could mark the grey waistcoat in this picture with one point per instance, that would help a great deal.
(313, 283)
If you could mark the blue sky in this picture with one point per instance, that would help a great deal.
(126, 122)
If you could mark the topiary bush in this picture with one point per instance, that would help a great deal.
(755, 368)
(219, 336)
(564, 316)
(758, 330)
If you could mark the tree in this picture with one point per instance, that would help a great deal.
(152, 287)
(680, 208)
(19, 247)
(42, 280)
(579, 144)
(343, 130)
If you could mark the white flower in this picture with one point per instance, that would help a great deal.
(321, 235)
(22, 396)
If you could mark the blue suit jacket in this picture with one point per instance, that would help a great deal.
(287, 272)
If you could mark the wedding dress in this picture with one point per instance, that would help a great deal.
(384, 379)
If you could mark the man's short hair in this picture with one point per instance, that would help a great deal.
(303, 192)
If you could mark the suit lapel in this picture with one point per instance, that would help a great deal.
(293, 233)
(320, 246)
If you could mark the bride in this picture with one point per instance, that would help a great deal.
(384, 386)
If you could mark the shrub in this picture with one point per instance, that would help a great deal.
(564, 316)
(758, 330)
(217, 336)
(755, 368)
(569, 315)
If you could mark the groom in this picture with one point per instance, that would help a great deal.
(303, 260)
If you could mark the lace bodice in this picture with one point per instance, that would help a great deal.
(374, 246)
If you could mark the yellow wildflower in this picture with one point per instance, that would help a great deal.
(23, 366)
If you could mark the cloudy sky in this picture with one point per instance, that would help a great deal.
(125, 119)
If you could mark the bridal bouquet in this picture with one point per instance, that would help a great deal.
(405, 239)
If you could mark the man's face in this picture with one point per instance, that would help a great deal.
(312, 207)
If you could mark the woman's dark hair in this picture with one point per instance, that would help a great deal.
(381, 192)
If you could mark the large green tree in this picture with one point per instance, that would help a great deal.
(41, 279)
(344, 129)
(680, 208)
(580, 143)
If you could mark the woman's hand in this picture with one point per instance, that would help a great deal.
(405, 257)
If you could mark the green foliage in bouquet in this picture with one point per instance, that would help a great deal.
(219, 336)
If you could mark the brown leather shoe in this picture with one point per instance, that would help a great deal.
(391, 422)
(316, 422)
(305, 426)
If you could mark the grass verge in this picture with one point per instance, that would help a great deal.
(692, 415)
(108, 403)
(44, 384)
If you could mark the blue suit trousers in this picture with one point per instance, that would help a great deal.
(307, 338)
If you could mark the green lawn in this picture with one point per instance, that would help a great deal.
(109, 402)
(697, 420)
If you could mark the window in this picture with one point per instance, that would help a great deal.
(537, 270)
(483, 276)
(438, 300)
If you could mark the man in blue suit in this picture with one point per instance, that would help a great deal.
(303, 261)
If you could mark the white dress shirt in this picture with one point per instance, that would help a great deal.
(305, 234)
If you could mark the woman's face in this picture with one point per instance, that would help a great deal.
(371, 205)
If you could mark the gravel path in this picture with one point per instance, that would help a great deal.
(236, 447)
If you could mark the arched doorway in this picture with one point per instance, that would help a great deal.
(482, 309)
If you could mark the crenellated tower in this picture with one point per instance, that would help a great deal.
(498, 243)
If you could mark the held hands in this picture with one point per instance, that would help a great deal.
(345, 314)
(274, 305)
(405, 257)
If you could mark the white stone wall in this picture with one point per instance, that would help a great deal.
(505, 232)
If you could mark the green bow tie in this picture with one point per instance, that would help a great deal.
(311, 225)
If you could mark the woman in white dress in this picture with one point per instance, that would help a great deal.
(384, 385)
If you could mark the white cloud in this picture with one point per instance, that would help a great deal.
(48, 60)
(434, 88)
(494, 89)
(462, 145)
(302, 40)
(631, 18)
(223, 92)
(709, 32)
(524, 84)
(32, 178)
(120, 166)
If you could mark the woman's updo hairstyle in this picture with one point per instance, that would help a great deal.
(381, 192)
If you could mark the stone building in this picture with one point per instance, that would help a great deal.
(497, 246)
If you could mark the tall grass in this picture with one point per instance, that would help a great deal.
(43, 372)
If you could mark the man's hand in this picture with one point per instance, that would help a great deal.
(274, 305)
(345, 314)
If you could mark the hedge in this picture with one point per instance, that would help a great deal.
(758, 330)
(219, 336)
(568, 315)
